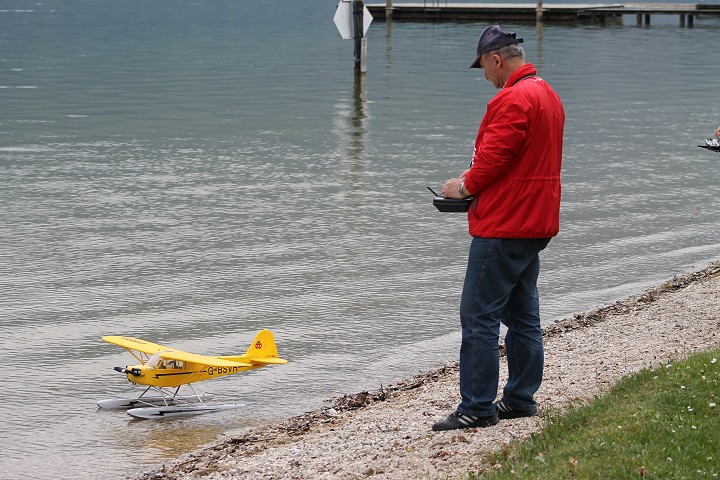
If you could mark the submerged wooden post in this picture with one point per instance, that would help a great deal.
(388, 9)
(539, 12)
(690, 21)
(682, 20)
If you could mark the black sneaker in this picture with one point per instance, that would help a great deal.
(506, 412)
(459, 420)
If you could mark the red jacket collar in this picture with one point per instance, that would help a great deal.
(524, 71)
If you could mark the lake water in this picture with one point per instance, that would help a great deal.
(190, 172)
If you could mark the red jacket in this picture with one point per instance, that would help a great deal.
(515, 174)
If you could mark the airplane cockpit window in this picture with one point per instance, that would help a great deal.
(153, 361)
(175, 364)
(171, 364)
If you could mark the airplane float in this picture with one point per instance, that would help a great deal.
(164, 367)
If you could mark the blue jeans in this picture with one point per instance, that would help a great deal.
(501, 286)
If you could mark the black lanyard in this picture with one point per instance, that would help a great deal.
(523, 78)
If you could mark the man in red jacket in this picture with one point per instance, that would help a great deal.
(514, 180)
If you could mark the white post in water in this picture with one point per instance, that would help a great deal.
(352, 19)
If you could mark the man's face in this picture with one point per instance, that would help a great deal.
(491, 65)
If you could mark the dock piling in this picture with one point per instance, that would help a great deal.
(360, 42)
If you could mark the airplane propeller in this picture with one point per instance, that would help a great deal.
(132, 371)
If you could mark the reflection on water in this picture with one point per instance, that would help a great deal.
(538, 57)
(166, 440)
(352, 135)
(194, 176)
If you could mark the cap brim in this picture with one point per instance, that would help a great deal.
(476, 63)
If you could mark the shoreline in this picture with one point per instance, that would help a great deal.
(385, 434)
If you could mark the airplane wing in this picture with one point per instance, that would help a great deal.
(135, 344)
(171, 354)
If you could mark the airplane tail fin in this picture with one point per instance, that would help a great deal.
(263, 350)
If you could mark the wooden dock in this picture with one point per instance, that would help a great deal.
(434, 10)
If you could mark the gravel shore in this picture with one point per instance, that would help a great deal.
(386, 434)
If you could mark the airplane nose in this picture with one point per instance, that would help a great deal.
(128, 371)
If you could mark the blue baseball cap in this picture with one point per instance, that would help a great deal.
(491, 39)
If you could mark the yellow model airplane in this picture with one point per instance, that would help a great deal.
(164, 367)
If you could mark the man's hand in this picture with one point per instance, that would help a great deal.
(450, 188)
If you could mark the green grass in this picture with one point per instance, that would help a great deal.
(660, 424)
